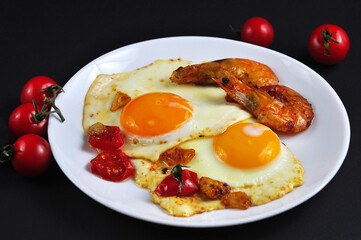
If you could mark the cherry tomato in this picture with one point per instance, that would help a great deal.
(170, 185)
(257, 31)
(33, 86)
(328, 44)
(112, 165)
(21, 121)
(32, 155)
(109, 139)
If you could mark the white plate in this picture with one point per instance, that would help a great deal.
(321, 149)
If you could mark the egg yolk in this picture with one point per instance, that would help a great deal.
(155, 114)
(247, 145)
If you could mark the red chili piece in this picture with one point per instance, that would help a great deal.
(110, 139)
(170, 185)
(112, 165)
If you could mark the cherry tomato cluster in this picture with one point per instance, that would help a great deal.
(328, 43)
(31, 153)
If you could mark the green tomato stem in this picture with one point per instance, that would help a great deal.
(54, 91)
(177, 172)
(7, 152)
(326, 37)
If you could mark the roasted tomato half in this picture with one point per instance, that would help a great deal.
(105, 137)
(179, 183)
(112, 165)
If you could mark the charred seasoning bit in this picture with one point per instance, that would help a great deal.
(96, 129)
(120, 100)
(177, 155)
(225, 81)
(165, 170)
(213, 189)
(238, 200)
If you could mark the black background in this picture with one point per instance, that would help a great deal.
(56, 39)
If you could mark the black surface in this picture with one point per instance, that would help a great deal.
(57, 39)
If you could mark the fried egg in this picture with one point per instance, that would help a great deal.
(161, 114)
(248, 156)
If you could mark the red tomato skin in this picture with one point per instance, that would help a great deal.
(21, 122)
(32, 155)
(338, 52)
(31, 90)
(170, 185)
(257, 31)
(110, 139)
(112, 166)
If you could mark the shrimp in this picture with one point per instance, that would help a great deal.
(244, 69)
(277, 107)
